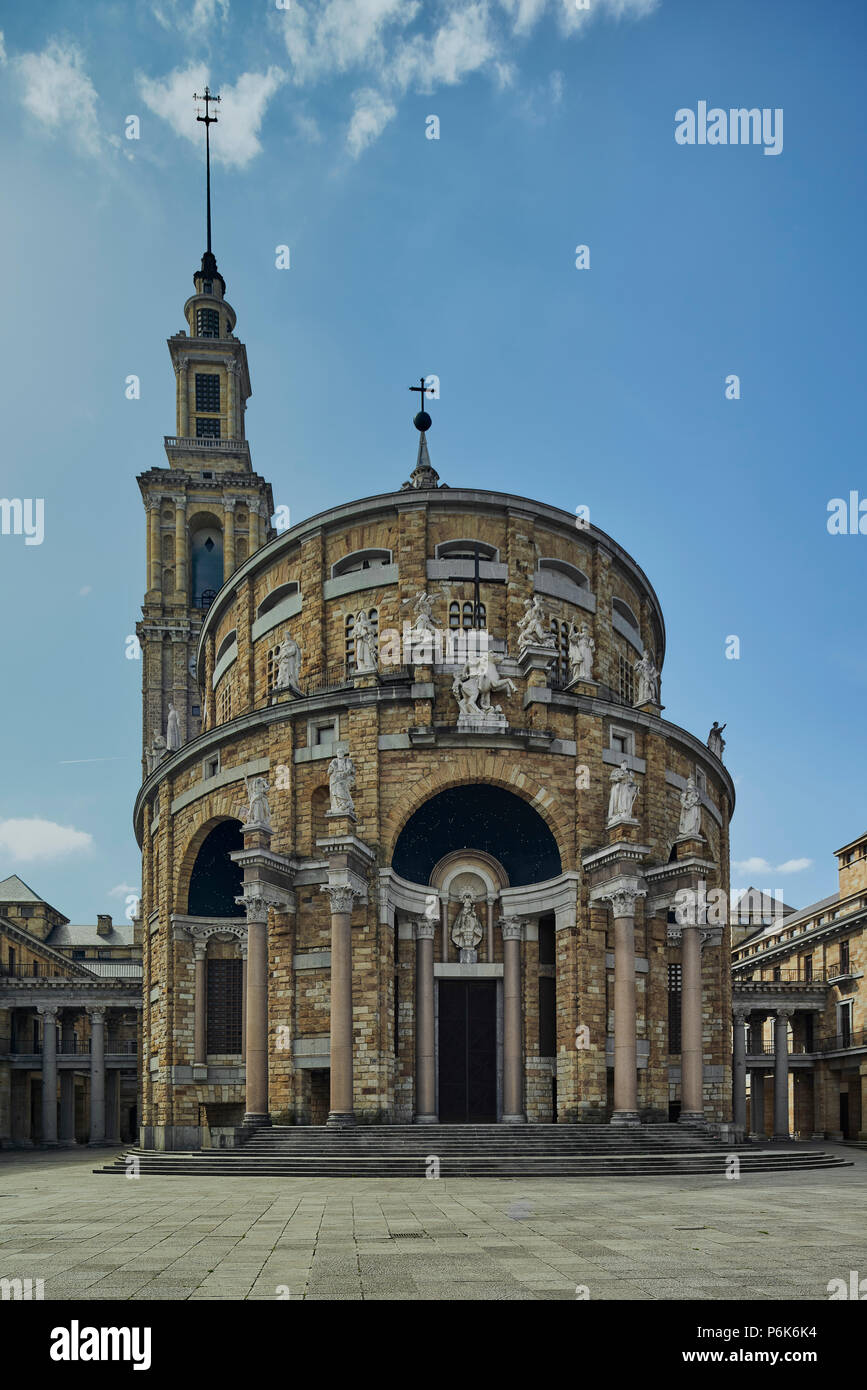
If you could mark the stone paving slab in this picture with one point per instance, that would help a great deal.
(763, 1236)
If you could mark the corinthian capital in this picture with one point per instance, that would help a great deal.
(424, 929)
(623, 900)
(512, 928)
(255, 904)
(341, 895)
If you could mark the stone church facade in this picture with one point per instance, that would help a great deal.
(386, 874)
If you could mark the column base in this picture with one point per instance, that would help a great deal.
(625, 1117)
(514, 1120)
(257, 1121)
(48, 1144)
(426, 1120)
(340, 1119)
(694, 1119)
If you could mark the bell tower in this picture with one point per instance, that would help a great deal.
(207, 511)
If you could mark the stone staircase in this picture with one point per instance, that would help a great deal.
(500, 1151)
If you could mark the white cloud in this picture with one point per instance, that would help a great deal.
(120, 890)
(239, 115)
(59, 93)
(2, 50)
(34, 839)
(793, 866)
(371, 115)
(761, 866)
(192, 21)
(85, 590)
(372, 38)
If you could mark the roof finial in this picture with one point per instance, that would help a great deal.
(208, 120)
(423, 475)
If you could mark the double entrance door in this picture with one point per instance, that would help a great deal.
(467, 1051)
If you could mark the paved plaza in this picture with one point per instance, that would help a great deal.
(759, 1237)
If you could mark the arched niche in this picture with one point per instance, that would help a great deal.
(481, 817)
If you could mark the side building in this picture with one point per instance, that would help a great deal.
(70, 1008)
(800, 1015)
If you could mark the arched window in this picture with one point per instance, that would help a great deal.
(216, 880)
(206, 554)
(168, 550)
(454, 616)
(360, 560)
(572, 572)
(560, 633)
(276, 596)
(625, 612)
(227, 642)
(465, 550)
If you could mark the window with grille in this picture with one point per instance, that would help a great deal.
(808, 967)
(207, 323)
(224, 1006)
(844, 957)
(273, 662)
(207, 391)
(349, 641)
(454, 616)
(207, 427)
(675, 984)
(225, 705)
(560, 632)
(627, 682)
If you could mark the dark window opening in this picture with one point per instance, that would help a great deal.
(207, 391)
(547, 1016)
(207, 427)
(675, 984)
(224, 1006)
(216, 880)
(207, 323)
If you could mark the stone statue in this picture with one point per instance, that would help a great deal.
(288, 664)
(366, 653)
(424, 619)
(341, 777)
(624, 790)
(581, 649)
(690, 810)
(472, 688)
(173, 730)
(715, 741)
(256, 810)
(531, 628)
(158, 751)
(648, 680)
(467, 929)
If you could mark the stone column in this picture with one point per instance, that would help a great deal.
(513, 1089)
(154, 506)
(257, 1010)
(182, 585)
(623, 902)
(341, 1112)
(490, 943)
(757, 1103)
(233, 428)
(781, 1073)
(200, 953)
(49, 1075)
(96, 1014)
(184, 413)
(444, 914)
(243, 953)
(425, 1075)
(112, 1106)
(691, 1046)
(739, 1071)
(228, 536)
(67, 1083)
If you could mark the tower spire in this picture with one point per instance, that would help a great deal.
(209, 263)
(423, 475)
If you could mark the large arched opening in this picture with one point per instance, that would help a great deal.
(216, 880)
(483, 817)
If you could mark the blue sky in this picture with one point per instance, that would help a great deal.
(453, 257)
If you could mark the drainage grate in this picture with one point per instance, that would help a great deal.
(406, 1235)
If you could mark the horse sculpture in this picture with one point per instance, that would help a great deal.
(473, 687)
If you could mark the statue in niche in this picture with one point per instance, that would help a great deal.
(288, 664)
(531, 628)
(256, 810)
(690, 810)
(467, 929)
(715, 741)
(173, 730)
(341, 778)
(648, 680)
(624, 790)
(366, 654)
(581, 649)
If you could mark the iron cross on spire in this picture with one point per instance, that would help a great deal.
(208, 121)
